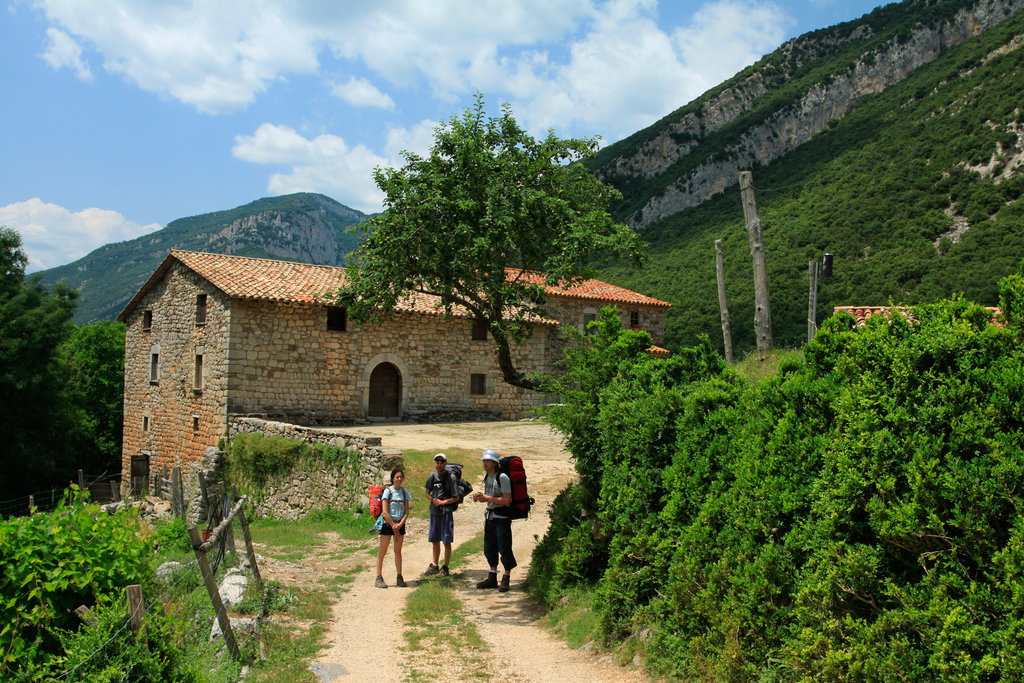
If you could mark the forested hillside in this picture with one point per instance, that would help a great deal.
(301, 227)
(916, 191)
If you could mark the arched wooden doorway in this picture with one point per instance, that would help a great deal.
(385, 391)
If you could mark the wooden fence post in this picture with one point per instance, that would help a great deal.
(136, 606)
(81, 481)
(211, 588)
(722, 306)
(177, 495)
(248, 542)
(762, 307)
(115, 491)
(812, 300)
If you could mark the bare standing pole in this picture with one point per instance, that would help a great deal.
(812, 277)
(762, 309)
(720, 270)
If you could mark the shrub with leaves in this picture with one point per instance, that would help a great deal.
(50, 563)
(857, 516)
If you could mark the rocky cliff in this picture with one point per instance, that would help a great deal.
(778, 104)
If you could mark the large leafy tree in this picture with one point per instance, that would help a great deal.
(35, 419)
(94, 355)
(477, 218)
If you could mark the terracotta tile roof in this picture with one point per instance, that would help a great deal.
(590, 289)
(862, 313)
(658, 352)
(259, 279)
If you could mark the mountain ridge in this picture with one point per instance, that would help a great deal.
(303, 226)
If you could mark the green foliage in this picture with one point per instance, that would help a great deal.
(872, 189)
(52, 563)
(35, 414)
(255, 458)
(487, 197)
(109, 651)
(94, 355)
(171, 537)
(856, 516)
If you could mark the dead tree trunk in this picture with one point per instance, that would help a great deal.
(762, 309)
(720, 270)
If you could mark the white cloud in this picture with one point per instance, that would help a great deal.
(63, 51)
(53, 236)
(360, 92)
(322, 164)
(607, 67)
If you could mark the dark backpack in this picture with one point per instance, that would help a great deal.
(455, 485)
(521, 502)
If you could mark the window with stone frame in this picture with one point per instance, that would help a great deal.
(154, 368)
(477, 384)
(200, 309)
(634, 320)
(337, 319)
(479, 330)
(147, 321)
(197, 383)
(587, 319)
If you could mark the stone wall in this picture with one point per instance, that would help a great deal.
(296, 493)
(285, 364)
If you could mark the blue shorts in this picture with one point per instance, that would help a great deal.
(386, 530)
(442, 529)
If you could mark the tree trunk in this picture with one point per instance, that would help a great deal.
(723, 308)
(762, 309)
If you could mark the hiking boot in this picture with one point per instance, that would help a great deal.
(400, 582)
(431, 570)
(444, 570)
(379, 583)
(503, 588)
(490, 582)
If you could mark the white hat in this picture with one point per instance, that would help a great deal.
(442, 456)
(490, 455)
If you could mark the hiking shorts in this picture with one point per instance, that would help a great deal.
(386, 530)
(442, 529)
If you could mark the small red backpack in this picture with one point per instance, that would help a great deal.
(375, 505)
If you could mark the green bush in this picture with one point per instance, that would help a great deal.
(53, 562)
(854, 517)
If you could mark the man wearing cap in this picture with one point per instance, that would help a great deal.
(497, 527)
(442, 525)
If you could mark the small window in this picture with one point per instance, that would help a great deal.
(197, 384)
(337, 318)
(477, 384)
(145, 423)
(195, 423)
(480, 329)
(154, 368)
(587, 319)
(634, 319)
(200, 309)
(147, 321)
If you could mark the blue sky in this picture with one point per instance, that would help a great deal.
(123, 115)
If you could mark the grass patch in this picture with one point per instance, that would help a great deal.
(289, 652)
(574, 619)
(756, 367)
(437, 622)
(292, 540)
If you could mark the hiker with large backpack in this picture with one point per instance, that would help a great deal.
(444, 493)
(497, 521)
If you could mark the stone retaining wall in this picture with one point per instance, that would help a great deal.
(294, 494)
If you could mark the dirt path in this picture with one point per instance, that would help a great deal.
(365, 633)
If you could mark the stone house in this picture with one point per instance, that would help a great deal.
(212, 338)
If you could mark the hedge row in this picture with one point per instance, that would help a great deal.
(857, 516)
